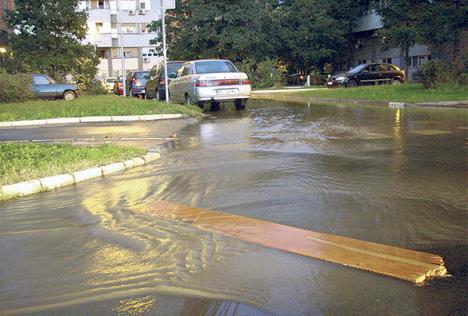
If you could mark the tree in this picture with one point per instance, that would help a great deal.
(401, 25)
(46, 36)
(316, 32)
(235, 30)
(442, 22)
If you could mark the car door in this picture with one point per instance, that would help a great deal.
(368, 75)
(43, 87)
(177, 85)
(385, 73)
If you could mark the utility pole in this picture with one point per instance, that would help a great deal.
(122, 56)
(166, 81)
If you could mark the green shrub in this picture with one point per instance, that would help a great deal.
(433, 74)
(95, 87)
(264, 74)
(15, 88)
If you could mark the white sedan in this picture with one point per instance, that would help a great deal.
(210, 80)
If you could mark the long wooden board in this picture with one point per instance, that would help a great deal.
(404, 264)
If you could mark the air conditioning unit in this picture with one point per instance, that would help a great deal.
(146, 60)
(141, 12)
(131, 12)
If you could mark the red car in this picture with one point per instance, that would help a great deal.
(118, 87)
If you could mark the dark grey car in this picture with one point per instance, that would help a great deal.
(46, 88)
(155, 88)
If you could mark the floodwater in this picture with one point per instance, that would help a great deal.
(389, 176)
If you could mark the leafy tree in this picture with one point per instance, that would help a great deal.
(47, 37)
(442, 22)
(229, 29)
(316, 32)
(401, 25)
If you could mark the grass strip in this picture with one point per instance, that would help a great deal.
(23, 161)
(410, 93)
(101, 105)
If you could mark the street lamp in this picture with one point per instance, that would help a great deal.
(165, 4)
(3, 51)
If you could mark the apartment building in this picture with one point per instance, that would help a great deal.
(104, 17)
(369, 48)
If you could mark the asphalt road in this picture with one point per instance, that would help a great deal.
(143, 134)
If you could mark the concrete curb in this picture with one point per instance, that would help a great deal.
(93, 119)
(50, 183)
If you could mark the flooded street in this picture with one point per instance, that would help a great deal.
(390, 176)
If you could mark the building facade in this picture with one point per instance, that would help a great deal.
(131, 17)
(369, 47)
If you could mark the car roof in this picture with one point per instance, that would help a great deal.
(212, 59)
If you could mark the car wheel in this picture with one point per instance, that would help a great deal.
(188, 100)
(201, 104)
(351, 84)
(69, 95)
(239, 104)
(396, 82)
(214, 106)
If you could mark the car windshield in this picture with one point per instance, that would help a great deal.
(172, 68)
(214, 66)
(357, 69)
(110, 80)
(141, 75)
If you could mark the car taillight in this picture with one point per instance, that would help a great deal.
(202, 83)
(162, 82)
(245, 81)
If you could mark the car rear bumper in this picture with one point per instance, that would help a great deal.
(222, 93)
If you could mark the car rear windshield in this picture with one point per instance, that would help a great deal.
(214, 66)
(172, 68)
(141, 75)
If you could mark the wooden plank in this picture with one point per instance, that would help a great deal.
(404, 264)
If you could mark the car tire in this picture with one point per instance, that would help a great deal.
(188, 100)
(69, 95)
(351, 84)
(201, 104)
(214, 106)
(239, 104)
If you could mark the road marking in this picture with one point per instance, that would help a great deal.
(404, 264)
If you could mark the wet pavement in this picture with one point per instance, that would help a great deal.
(389, 176)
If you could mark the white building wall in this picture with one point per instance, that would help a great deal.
(103, 33)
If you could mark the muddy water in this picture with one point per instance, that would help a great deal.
(382, 175)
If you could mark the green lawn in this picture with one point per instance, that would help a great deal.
(411, 93)
(102, 105)
(23, 161)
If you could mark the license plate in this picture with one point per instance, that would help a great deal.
(329, 83)
(143, 91)
(226, 91)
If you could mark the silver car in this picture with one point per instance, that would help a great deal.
(210, 81)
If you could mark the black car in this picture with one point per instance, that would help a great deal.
(367, 74)
(155, 88)
(135, 83)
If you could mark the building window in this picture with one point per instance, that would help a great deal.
(129, 28)
(102, 53)
(417, 61)
(387, 60)
(99, 27)
(142, 5)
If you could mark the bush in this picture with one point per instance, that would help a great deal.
(262, 75)
(433, 74)
(15, 88)
(95, 87)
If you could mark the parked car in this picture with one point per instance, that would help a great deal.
(210, 80)
(118, 86)
(366, 74)
(45, 87)
(135, 83)
(109, 84)
(155, 85)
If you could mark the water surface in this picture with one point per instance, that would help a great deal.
(383, 175)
